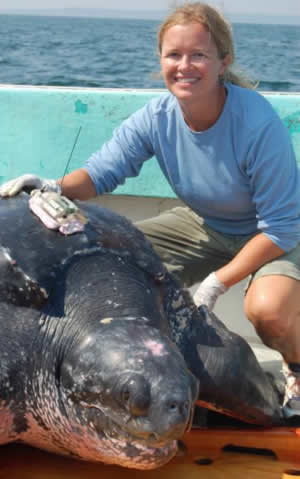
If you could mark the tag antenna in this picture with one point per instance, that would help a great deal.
(70, 157)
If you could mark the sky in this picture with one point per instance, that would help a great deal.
(270, 8)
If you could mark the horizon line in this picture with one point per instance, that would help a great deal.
(147, 14)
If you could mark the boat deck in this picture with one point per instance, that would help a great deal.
(209, 454)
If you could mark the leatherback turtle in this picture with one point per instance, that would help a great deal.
(103, 354)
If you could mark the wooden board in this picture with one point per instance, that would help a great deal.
(203, 457)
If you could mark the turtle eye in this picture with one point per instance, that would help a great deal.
(135, 395)
(125, 396)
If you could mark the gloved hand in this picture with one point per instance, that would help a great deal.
(209, 291)
(28, 183)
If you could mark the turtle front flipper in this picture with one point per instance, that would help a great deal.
(231, 379)
(235, 383)
(16, 287)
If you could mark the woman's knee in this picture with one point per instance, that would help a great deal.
(267, 311)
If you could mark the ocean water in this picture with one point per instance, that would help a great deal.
(121, 53)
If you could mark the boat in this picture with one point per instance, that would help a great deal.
(50, 131)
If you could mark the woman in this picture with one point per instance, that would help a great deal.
(227, 155)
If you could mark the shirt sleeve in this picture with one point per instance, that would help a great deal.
(274, 181)
(123, 156)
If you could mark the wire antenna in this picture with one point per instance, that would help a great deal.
(70, 157)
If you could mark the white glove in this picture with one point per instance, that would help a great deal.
(209, 291)
(30, 182)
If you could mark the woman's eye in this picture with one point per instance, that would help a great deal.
(198, 55)
(193, 56)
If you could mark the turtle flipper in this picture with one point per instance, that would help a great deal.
(16, 287)
(231, 379)
(234, 377)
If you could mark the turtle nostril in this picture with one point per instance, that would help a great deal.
(178, 407)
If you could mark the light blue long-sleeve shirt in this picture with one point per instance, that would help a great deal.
(240, 175)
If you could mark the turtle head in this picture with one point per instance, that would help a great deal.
(128, 386)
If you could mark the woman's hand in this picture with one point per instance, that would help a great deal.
(28, 183)
(209, 291)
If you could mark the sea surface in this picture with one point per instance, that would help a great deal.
(121, 53)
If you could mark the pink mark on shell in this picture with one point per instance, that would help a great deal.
(156, 348)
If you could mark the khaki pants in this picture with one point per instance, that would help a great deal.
(191, 249)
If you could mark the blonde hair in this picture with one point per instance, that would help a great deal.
(220, 31)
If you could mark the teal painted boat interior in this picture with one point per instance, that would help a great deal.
(40, 125)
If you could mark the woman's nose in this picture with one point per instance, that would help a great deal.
(185, 62)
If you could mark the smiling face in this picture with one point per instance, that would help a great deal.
(190, 63)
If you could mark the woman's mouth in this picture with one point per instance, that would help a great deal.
(186, 80)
